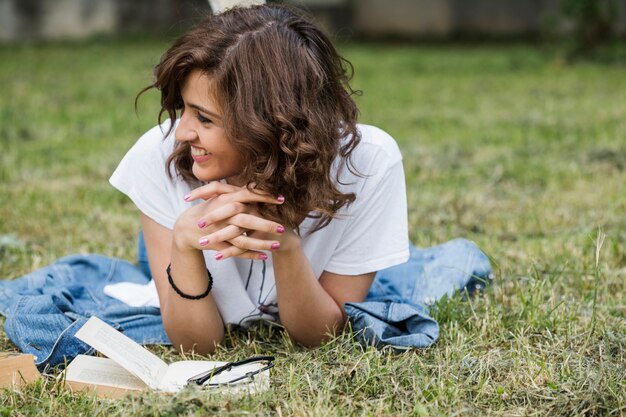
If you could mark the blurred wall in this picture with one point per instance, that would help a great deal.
(456, 18)
(60, 19)
(75, 19)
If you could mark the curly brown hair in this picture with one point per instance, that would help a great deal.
(286, 101)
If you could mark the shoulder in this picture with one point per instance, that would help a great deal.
(158, 141)
(142, 175)
(150, 151)
(375, 160)
(375, 141)
(146, 159)
(376, 153)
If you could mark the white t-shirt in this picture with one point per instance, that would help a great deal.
(368, 235)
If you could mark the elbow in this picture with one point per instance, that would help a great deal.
(187, 344)
(201, 341)
(310, 342)
(327, 331)
(313, 340)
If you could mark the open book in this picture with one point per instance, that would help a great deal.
(130, 367)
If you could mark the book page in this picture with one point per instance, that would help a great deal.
(178, 373)
(123, 350)
(101, 371)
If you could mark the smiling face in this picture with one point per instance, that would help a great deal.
(201, 125)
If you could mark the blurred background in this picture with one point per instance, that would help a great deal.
(22, 20)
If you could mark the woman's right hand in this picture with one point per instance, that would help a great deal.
(227, 211)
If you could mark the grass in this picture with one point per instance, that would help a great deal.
(503, 144)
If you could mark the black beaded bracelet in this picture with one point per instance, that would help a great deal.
(187, 296)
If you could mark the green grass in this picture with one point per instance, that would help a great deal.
(503, 144)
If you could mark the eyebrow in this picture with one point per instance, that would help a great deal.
(203, 110)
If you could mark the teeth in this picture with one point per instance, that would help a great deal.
(198, 152)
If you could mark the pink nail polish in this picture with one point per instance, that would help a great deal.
(280, 229)
(218, 256)
(275, 245)
(280, 198)
(204, 241)
(263, 257)
(187, 197)
(201, 224)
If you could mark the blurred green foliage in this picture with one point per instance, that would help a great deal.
(593, 20)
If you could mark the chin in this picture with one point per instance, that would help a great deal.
(207, 175)
(202, 175)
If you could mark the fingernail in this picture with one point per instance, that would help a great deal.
(218, 256)
(204, 241)
(262, 256)
(280, 229)
(187, 197)
(280, 198)
(201, 224)
(275, 245)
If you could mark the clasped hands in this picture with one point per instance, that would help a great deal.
(228, 222)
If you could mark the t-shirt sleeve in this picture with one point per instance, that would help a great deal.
(376, 236)
(142, 176)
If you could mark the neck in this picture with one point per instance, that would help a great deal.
(236, 180)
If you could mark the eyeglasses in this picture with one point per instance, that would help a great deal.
(233, 372)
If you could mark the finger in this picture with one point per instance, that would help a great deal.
(234, 203)
(252, 243)
(257, 256)
(244, 195)
(229, 251)
(221, 213)
(247, 221)
(206, 244)
(210, 190)
(224, 234)
(234, 251)
(225, 250)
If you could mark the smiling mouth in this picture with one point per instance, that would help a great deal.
(198, 151)
(199, 155)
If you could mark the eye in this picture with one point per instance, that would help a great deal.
(203, 119)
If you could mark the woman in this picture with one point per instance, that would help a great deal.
(263, 200)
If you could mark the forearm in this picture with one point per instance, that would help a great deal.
(190, 323)
(306, 310)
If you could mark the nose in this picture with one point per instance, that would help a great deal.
(185, 131)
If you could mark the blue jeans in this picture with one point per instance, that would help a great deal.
(45, 308)
(395, 311)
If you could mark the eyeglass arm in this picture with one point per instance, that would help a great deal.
(203, 377)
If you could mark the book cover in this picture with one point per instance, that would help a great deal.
(17, 369)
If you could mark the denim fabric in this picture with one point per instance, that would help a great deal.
(45, 308)
(391, 323)
(395, 312)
